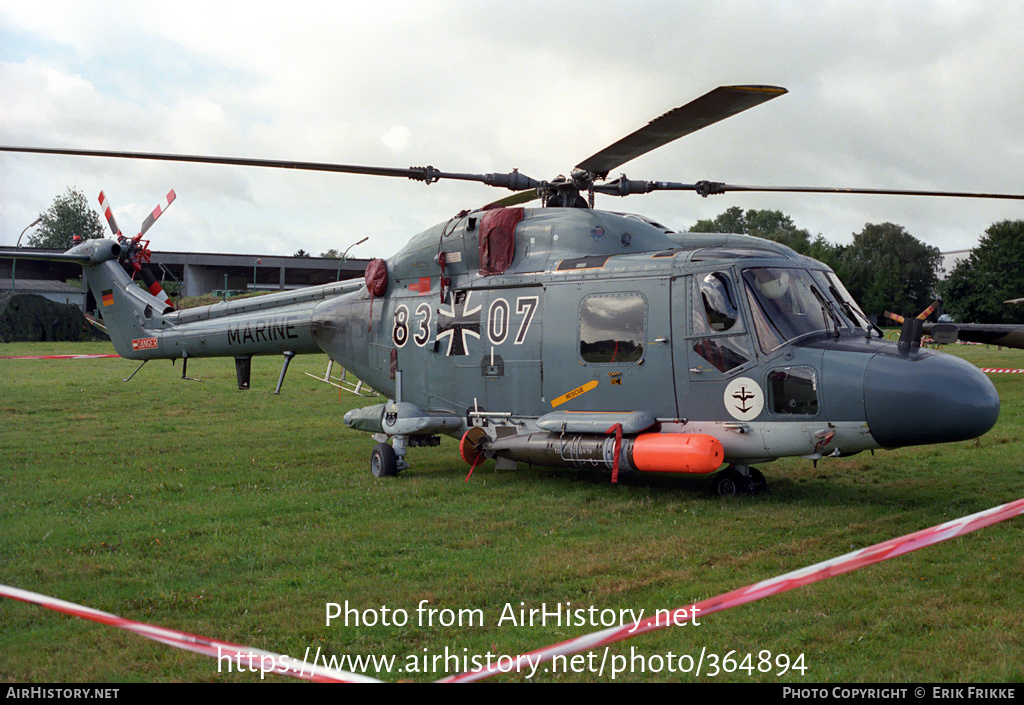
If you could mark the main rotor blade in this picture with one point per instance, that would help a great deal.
(626, 187)
(512, 180)
(723, 188)
(722, 102)
(32, 253)
(515, 199)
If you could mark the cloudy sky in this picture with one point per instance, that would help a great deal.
(910, 94)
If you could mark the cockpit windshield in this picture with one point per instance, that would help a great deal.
(849, 307)
(788, 303)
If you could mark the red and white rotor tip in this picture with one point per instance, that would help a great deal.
(109, 213)
(157, 212)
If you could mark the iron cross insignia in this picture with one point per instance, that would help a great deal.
(457, 321)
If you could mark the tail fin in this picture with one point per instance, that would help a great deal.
(133, 317)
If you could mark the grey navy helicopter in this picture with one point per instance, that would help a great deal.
(566, 336)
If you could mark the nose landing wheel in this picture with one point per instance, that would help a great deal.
(738, 479)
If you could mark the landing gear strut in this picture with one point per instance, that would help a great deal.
(738, 479)
(389, 460)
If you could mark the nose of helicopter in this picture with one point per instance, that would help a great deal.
(927, 398)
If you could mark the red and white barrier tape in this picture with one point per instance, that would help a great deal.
(996, 370)
(798, 578)
(240, 656)
(55, 357)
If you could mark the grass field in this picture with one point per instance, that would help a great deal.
(239, 515)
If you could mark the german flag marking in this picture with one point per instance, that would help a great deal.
(108, 297)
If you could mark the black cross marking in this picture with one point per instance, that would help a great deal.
(458, 321)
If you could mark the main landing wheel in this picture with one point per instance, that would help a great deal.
(728, 483)
(732, 483)
(758, 483)
(383, 461)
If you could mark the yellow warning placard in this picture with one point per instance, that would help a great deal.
(582, 389)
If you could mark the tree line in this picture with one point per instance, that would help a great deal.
(886, 268)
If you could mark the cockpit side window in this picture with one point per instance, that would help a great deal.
(725, 352)
(718, 331)
(716, 309)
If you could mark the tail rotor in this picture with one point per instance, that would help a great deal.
(921, 316)
(135, 251)
(913, 328)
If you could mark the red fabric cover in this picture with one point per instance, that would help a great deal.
(376, 282)
(377, 277)
(497, 239)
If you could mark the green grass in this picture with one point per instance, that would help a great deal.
(238, 515)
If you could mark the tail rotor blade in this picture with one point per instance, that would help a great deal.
(109, 213)
(921, 316)
(154, 288)
(928, 311)
(157, 212)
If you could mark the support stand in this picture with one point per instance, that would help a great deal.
(243, 371)
(288, 355)
(136, 371)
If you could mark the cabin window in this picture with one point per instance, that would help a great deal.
(612, 328)
(793, 390)
(716, 309)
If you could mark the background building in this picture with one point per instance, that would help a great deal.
(190, 273)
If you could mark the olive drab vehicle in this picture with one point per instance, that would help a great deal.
(565, 336)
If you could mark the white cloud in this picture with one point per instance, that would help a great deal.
(918, 95)
(396, 138)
